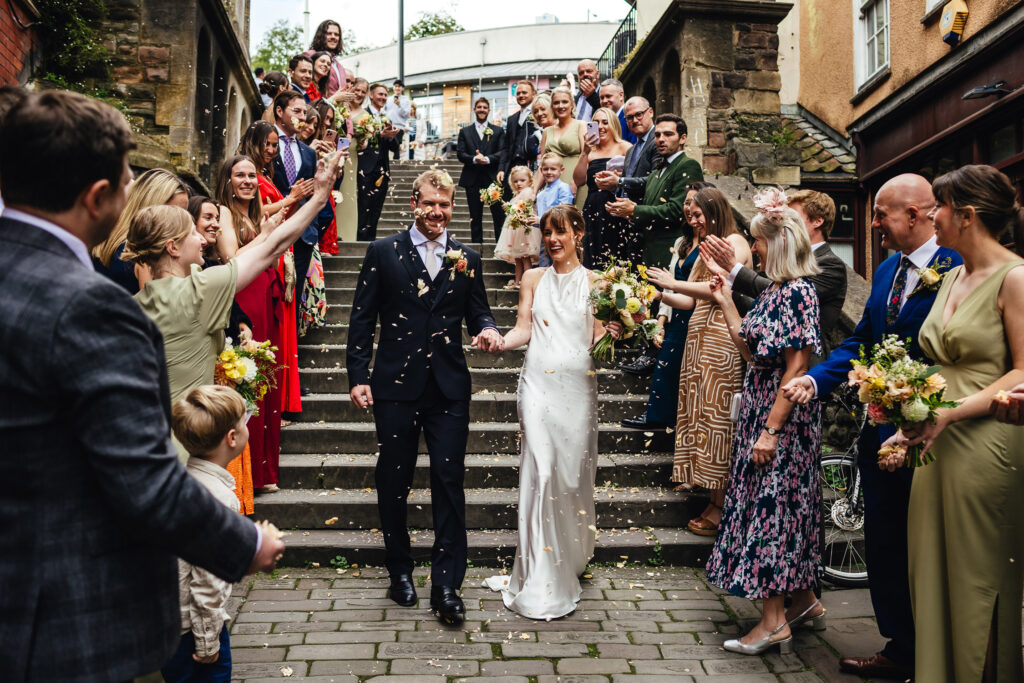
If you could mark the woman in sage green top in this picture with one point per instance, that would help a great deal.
(565, 138)
(190, 305)
(966, 518)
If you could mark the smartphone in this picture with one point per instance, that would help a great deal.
(592, 128)
(343, 143)
(330, 136)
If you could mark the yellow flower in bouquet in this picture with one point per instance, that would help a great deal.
(620, 295)
(248, 368)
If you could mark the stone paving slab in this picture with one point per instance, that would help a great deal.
(634, 624)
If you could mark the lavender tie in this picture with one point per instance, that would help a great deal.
(288, 159)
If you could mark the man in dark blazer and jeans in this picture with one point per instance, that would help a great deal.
(479, 150)
(95, 507)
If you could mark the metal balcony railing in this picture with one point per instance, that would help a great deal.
(620, 45)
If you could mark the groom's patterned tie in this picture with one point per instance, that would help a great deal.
(892, 311)
(288, 160)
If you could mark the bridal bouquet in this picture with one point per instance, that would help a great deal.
(369, 127)
(619, 294)
(491, 194)
(898, 390)
(520, 214)
(248, 368)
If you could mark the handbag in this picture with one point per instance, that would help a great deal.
(734, 408)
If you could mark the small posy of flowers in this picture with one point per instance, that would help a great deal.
(488, 132)
(898, 390)
(931, 277)
(620, 294)
(491, 194)
(248, 368)
(520, 214)
(455, 259)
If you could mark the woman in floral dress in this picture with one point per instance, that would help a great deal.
(767, 546)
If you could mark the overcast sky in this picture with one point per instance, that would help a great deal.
(375, 22)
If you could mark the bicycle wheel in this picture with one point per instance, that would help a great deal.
(842, 512)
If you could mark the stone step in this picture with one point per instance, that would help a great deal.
(495, 297)
(333, 356)
(341, 263)
(359, 249)
(494, 548)
(486, 508)
(334, 380)
(484, 437)
(484, 407)
(504, 316)
(356, 471)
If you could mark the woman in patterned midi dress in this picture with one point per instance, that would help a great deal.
(768, 543)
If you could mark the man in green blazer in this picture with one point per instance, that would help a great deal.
(659, 218)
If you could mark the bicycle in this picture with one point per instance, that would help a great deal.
(842, 503)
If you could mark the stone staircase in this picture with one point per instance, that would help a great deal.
(327, 498)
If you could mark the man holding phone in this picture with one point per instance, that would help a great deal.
(588, 99)
(398, 109)
(374, 167)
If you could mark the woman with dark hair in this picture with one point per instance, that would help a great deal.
(966, 517)
(307, 131)
(321, 73)
(712, 369)
(260, 143)
(274, 83)
(327, 38)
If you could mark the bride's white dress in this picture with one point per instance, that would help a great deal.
(557, 402)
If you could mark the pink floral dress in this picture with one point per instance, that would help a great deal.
(768, 540)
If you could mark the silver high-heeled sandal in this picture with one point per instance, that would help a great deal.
(816, 622)
(759, 646)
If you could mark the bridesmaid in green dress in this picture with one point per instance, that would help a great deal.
(966, 522)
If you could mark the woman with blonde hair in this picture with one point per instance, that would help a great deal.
(767, 546)
(153, 188)
(564, 137)
(607, 236)
(192, 306)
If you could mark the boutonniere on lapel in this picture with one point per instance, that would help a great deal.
(530, 121)
(455, 259)
(488, 133)
(931, 277)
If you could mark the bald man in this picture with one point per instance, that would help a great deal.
(896, 306)
(588, 97)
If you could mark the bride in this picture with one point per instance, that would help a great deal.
(557, 402)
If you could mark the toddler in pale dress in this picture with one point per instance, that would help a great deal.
(520, 246)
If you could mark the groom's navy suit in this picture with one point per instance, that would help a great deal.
(886, 494)
(420, 380)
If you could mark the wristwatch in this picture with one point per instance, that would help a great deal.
(772, 431)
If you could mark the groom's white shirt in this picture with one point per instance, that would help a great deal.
(419, 240)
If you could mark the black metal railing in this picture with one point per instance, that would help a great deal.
(620, 45)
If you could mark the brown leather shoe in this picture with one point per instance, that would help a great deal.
(875, 666)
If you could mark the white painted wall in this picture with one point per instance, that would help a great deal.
(511, 44)
(648, 12)
(789, 55)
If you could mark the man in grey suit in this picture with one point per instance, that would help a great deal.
(94, 506)
(818, 212)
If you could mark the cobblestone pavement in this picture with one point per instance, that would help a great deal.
(643, 624)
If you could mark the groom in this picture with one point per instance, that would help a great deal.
(421, 283)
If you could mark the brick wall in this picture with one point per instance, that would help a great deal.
(18, 45)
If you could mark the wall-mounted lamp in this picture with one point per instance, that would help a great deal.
(991, 89)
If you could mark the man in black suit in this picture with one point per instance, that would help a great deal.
(518, 148)
(300, 73)
(818, 212)
(421, 284)
(479, 150)
(295, 160)
(641, 157)
(95, 506)
(374, 167)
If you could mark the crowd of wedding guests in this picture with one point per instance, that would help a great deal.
(743, 364)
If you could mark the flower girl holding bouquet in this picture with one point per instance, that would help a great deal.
(519, 242)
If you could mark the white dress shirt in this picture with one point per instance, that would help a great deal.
(584, 112)
(919, 258)
(76, 245)
(524, 113)
(398, 113)
(480, 128)
(419, 240)
(293, 143)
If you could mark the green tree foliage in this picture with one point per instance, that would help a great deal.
(280, 43)
(433, 24)
(72, 47)
(349, 44)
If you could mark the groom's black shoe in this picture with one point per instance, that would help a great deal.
(447, 605)
(402, 591)
(641, 423)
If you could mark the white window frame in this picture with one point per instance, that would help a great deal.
(865, 38)
(930, 5)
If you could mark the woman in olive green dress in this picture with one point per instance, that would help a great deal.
(565, 138)
(966, 521)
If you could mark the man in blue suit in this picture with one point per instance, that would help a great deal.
(897, 305)
(296, 160)
(613, 96)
